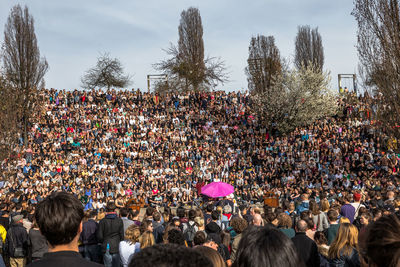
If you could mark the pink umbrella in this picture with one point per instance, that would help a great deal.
(217, 189)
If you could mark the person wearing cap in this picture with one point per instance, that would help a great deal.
(16, 245)
(356, 204)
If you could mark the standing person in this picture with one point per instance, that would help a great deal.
(333, 226)
(357, 204)
(348, 210)
(158, 228)
(62, 230)
(124, 212)
(37, 242)
(306, 247)
(17, 242)
(110, 233)
(91, 248)
(343, 250)
(318, 217)
(129, 246)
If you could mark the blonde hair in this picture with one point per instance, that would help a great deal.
(344, 220)
(199, 221)
(325, 205)
(132, 234)
(146, 240)
(345, 241)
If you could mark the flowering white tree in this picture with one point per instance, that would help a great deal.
(302, 96)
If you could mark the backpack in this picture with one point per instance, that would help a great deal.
(189, 232)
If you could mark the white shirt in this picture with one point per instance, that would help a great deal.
(127, 250)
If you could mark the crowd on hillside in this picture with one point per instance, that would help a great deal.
(107, 148)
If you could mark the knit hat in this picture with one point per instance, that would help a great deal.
(357, 196)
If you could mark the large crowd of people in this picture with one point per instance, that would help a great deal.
(333, 178)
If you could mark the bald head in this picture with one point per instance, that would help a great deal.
(257, 219)
(301, 226)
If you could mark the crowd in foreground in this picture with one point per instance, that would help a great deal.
(118, 147)
(68, 236)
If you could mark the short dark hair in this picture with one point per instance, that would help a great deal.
(210, 208)
(59, 217)
(332, 215)
(124, 212)
(199, 238)
(169, 255)
(156, 216)
(110, 206)
(192, 215)
(176, 237)
(266, 246)
(149, 211)
(214, 215)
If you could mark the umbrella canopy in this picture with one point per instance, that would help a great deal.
(217, 189)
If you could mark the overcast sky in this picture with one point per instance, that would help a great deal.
(71, 34)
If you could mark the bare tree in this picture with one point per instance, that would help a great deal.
(187, 69)
(24, 69)
(308, 48)
(107, 73)
(379, 54)
(9, 126)
(264, 64)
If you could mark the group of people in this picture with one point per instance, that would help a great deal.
(111, 148)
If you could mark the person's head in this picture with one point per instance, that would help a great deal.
(192, 215)
(314, 207)
(147, 225)
(212, 255)
(149, 211)
(382, 243)
(345, 241)
(146, 240)
(266, 246)
(124, 212)
(169, 255)
(365, 218)
(157, 216)
(209, 208)
(200, 222)
(110, 207)
(320, 238)
(214, 215)
(344, 220)
(238, 224)
(258, 220)
(301, 226)
(176, 237)
(357, 197)
(132, 233)
(199, 238)
(332, 215)
(284, 220)
(325, 205)
(59, 217)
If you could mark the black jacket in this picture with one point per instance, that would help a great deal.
(89, 231)
(158, 231)
(38, 243)
(19, 239)
(63, 259)
(111, 231)
(307, 249)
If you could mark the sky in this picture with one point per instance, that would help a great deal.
(72, 34)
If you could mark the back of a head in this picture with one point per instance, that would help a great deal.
(210, 208)
(176, 237)
(110, 206)
(332, 215)
(59, 217)
(192, 215)
(214, 215)
(157, 216)
(345, 241)
(301, 226)
(169, 255)
(212, 255)
(266, 246)
(382, 245)
(124, 212)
